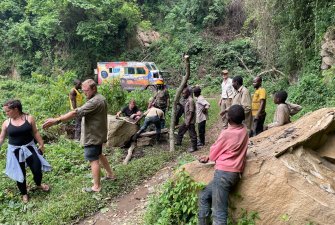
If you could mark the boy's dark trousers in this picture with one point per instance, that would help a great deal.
(258, 125)
(193, 134)
(202, 131)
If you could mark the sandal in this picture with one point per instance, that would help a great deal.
(113, 178)
(44, 187)
(25, 199)
(89, 190)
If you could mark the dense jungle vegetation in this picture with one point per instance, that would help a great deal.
(46, 44)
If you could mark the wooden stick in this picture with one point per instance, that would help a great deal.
(130, 153)
(152, 133)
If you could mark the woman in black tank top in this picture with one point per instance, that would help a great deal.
(22, 133)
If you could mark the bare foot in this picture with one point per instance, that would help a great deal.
(44, 187)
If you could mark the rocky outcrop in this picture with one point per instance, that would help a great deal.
(328, 49)
(145, 38)
(290, 175)
(120, 131)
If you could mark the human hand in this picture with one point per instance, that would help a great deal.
(203, 159)
(49, 122)
(222, 113)
(41, 149)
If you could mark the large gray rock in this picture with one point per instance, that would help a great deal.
(328, 49)
(289, 176)
(119, 131)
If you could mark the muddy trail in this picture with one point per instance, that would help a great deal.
(129, 209)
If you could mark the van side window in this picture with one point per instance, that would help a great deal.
(140, 70)
(129, 70)
(116, 70)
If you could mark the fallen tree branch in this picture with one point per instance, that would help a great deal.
(270, 71)
(152, 133)
(245, 66)
(130, 153)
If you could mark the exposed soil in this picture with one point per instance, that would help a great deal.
(130, 208)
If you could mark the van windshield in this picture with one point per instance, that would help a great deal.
(148, 66)
(153, 66)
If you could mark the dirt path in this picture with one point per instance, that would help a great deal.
(130, 208)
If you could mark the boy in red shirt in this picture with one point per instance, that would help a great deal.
(229, 153)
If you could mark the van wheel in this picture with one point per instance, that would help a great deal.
(151, 88)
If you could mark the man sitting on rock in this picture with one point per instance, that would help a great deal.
(229, 153)
(282, 114)
(130, 111)
(152, 116)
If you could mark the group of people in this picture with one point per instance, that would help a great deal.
(195, 111)
(26, 146)
(242, 118)
(234, 93)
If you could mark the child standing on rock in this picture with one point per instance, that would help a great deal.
(229, 153)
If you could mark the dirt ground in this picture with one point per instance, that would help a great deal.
(130, 208)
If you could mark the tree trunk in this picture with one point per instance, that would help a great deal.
(176, 99)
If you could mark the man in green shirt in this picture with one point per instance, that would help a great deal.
(94, 131)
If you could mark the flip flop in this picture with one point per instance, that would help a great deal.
(89, 190)
(109, 178)
(44, 187)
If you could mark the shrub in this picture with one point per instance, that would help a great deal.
(177, 204)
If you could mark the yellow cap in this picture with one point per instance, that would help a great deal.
(159, 82)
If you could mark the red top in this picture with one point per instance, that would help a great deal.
(230, 149)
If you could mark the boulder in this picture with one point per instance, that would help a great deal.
(120, 131)
(328, 49)
(328, 60)
(290, 173)
(147, 37)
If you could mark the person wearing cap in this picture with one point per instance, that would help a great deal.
(242, 97)
(226, 96)
(161, 99)
(202, 106)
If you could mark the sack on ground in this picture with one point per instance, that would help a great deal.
(293, 108)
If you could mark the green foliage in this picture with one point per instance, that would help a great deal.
(114, 95)
(177, 204)
(141, 97)
(67, 35)
(245, 218)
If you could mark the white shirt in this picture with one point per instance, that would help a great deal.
(227, 88)
(201, 103)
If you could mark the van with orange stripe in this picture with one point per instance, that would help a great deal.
(132, 75)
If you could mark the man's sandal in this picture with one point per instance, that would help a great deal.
(89, 190)
(113, 178)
